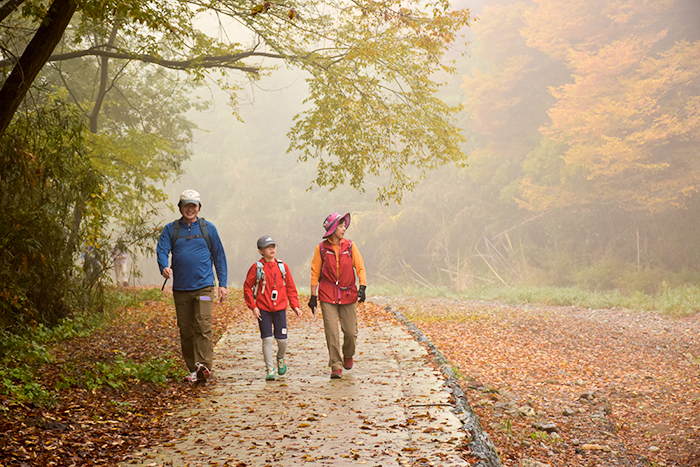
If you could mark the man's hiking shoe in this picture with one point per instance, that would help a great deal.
(203, 372)
(281, 366)
(192, 377)
(347, 363)
(336, 374)
(270, 374)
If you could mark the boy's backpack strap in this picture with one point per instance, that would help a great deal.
(260, 272)
(280, 265)
(260, 276)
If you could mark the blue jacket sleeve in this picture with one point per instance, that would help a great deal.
(219, 256)
(164, 245)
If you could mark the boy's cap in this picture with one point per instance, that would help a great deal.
(332, 221)
(264, 241)
(189, 197)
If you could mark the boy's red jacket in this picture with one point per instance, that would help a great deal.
(273, 281)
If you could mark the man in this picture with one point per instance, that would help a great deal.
(195, 245)
(333, 268)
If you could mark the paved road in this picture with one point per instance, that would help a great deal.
(391, 409)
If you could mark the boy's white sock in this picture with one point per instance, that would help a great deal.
(267, 353)
(281, 348)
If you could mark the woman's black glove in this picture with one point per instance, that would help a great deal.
(361, 294)
(313, 303)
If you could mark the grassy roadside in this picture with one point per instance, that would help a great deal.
(95, 387)
(678, 301)
(23, 355)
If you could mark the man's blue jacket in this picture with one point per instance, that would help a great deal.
(192, 261)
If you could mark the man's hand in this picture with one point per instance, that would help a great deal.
(222, 293)
(167, 273)
(297, 310)
(361, 294)
(313, 303)
(256, 312)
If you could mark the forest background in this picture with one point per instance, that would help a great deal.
(582, 132)
(579, 123)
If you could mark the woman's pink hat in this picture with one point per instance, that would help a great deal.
(332, 221)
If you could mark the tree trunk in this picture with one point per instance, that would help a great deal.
(33, 58)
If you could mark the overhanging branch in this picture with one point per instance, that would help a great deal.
(207, 61)
(8, 8)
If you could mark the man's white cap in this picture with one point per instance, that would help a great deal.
(189, 197)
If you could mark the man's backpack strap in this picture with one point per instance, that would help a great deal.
(176, 233)
(205, 232)
(202, 227)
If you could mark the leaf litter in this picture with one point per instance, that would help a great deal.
(562, 386)
(568, 386)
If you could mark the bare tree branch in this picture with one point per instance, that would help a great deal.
(207, 61)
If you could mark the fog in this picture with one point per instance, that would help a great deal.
(251, 187)
(525, 209)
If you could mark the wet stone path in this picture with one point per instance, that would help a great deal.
(391, 409)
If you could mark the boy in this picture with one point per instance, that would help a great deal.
(267, 287)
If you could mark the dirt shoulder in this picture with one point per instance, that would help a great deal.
(573, 386)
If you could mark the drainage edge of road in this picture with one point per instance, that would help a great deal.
(480, 443)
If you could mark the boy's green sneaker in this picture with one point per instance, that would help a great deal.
(270, 375)
(281, 366)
